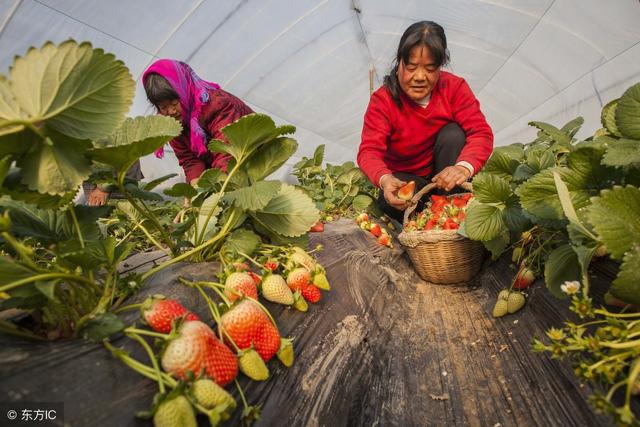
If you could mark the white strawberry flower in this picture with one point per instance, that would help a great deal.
(570, 287)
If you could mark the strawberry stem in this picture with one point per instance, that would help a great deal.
(253, 261)
(152, 357)
(145, 332)
(127, 307)
(141, 368)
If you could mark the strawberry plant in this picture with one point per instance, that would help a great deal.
(334, 189)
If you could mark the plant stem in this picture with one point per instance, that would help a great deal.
(253, 261)
(21, 250)
(76, 224)
(617, 315)
(46, 276)
(150, 216)
(11, 329)
(133, 330)
(152, 357)
(127, 307)
(620, 346)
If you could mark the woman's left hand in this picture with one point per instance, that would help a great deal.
(451, 176)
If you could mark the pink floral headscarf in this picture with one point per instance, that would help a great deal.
(193, 93)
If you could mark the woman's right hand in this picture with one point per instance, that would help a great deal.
(390, 185)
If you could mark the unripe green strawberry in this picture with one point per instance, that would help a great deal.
(320, 280)
(210, 395)
(300, 257)
(285, 354)
(504, 294)
(275, 289)
(176, 412)
(299, 303)
(252, 365)
(500, 309)
(515, 302)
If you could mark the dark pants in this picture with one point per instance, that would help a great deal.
(449, 143)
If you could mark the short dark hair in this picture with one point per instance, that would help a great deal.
(158, 89)
(423, 33)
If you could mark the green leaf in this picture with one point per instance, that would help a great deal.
(350, 176)
(561, 140)
(211, 179)
(628, 112)
(240, 240)
(11, 271)
(491, 188)
(567, 205)
(484, 222)
(627, 285)
(55, 168)
(514, 218)
(504, 161)
(80, 91)
(623, 152)
(318, 155)
(561, 266)
(217, 146)
(153, 184)
(181, 189)
(9, 109)
(361, 202)
(5, 164)
(290, 213)
(102, 327)
(134, 139)
(18, 191)
(615, 216)
(269, 158)
(497, 245)
(608, 117)
(249, 132)
(139, 193)
(254, 197)
(573, 126)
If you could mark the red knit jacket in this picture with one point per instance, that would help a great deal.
(402, 140)
(221, 110)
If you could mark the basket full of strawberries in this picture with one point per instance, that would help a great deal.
(438, 252)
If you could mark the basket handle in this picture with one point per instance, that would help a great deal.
(413, 203)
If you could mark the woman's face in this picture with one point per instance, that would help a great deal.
(171, 108)
(418, 76)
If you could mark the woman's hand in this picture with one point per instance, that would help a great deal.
(390, 185)
(451, 176)
(97, 197)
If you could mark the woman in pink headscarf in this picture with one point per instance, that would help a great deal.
(202, 108)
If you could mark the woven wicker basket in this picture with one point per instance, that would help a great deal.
(441, 256)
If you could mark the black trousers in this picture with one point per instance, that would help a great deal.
(449, 143)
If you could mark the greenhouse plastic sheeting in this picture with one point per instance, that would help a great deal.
(307, 62)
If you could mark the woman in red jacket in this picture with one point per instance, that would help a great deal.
(202, 108)
(423, 124)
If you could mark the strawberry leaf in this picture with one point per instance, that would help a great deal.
(608, 117)
(562, 265)
(491, 188)
(504, 161)
(269, 158)
(77, 90)
(484, 222)
(573, 126)
(615, 216)
(9, 109)
(149, 186)
(361, 202)
(497, 245)
(102, 327)
(290, 213)
(241, 240)
(627, 285)
(628, 111)
(181, 189)
(254, 197)
(561, 141)
(623, 152)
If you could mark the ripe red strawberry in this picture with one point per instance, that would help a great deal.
(248, 325)
(297, 278)
(317, 227)
(375, 230)
(256, 279)
(196, 349)
(363, 217)
(524, 279)
(385, 240)
(275, 289)
(406, 192)
(311, 293)
(242, 283)
(271, 265)
(450, 224)
(159, 313)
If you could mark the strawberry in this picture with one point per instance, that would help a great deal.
(299, 303)
(297, 278)
(196, 349)
(176, 412)
(375, 230)
(300, 257)
(385, 240)
(248, 326)
(504, 294)
(256, 279)
(524, 279)
(500, 309)
(210, 395)
(515, 302)
(317, 227)
(406, 192)
(271, 265)
(459, 201)
(252, 365)
(275, 289)
(516, 254)
(238, 284)
(311, 293)
(159, 313)
(320, 280)
(363, 217)
(240, 266)
(285, 353)
(601, 251)
(450, 224)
